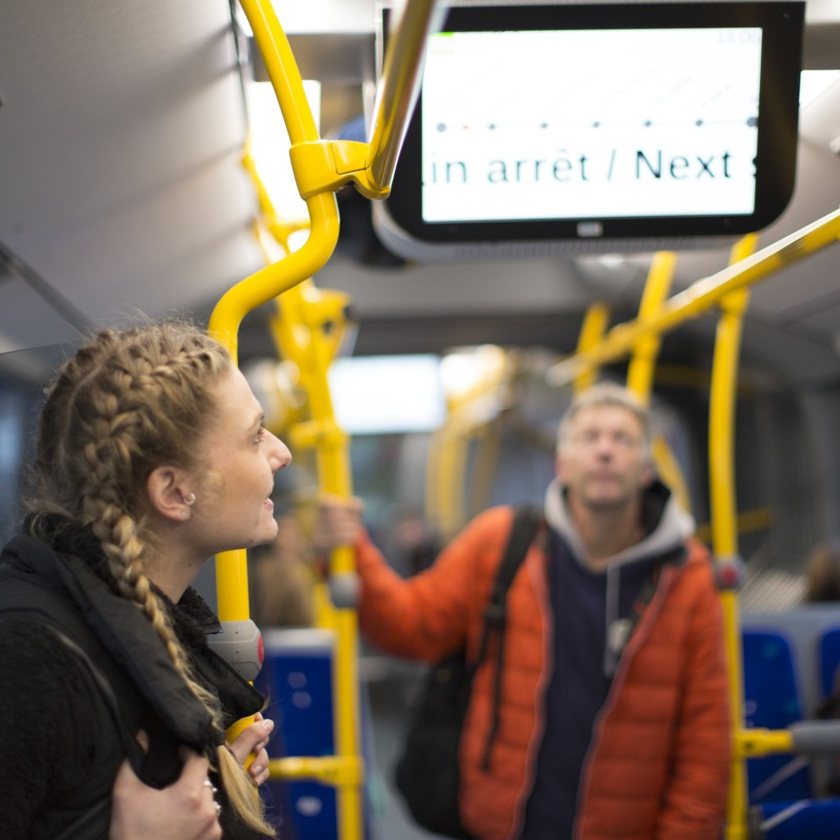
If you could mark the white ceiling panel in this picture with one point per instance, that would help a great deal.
(121, 130)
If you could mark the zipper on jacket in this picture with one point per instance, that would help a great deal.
(641, 635)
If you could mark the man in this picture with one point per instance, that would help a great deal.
(614, 719)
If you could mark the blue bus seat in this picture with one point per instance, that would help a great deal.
(829, 659)
(772, 700)
(811, 819)
(297, 680)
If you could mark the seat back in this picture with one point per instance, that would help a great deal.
(772, 700)
(814, 820)
(829, 659)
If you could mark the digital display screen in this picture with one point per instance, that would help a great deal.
(590, 123)
(580, 123)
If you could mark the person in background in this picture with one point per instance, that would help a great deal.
(283, 578)
(822, 584)
(151, 458)
(822, 579)
(614, 717)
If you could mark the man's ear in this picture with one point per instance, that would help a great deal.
(168, 489)
(648, 474)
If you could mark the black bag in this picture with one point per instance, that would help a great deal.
(427, 771)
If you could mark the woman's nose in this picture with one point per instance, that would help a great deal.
(279, 455)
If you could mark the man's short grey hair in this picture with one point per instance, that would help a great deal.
(606, 394)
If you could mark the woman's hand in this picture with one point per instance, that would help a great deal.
(186, 810)
(249, 748)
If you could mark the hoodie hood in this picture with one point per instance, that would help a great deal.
(666, 524)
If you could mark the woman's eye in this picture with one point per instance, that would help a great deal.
(260, 434)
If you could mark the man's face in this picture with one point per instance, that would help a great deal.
(603, 462)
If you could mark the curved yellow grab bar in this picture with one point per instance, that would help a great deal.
(274, 279)
(700, 296)
(248, 294)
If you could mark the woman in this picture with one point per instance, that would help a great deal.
(151, 457)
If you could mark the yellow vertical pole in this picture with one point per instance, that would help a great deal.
(646, 348)
(488, 438)
(334, 478)
(231, 566)
(724, 516)
(591, 332)
(643, 363)
(452, 471)
(431, 496)
(308, 333)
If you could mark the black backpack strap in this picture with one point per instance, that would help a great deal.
(526, 523)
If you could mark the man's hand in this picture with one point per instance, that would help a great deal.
(186, 810)
(250, 745)
(338, 523)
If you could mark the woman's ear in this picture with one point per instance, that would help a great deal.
(168, 489)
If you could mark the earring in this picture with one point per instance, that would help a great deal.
(184, 514)
(190, 499)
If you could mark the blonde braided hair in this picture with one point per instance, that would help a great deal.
(123, 405)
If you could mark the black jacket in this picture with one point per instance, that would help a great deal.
(61, 743)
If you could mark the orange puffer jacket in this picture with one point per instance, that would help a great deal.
(658, 765)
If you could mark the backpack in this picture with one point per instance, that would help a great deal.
(427, 771)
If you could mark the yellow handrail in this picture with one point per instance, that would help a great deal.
(470, 416)
(274, 279)
(701, 296)
(328, 164)
(643, 360)
(724, 387)
(253, 291)
(399, 88)
(643, 364)
(592, 331)
(307, 331)
(309, 334)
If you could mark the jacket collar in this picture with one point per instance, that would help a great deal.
(126, 634)
(666, 524)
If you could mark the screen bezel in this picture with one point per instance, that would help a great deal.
(782, 24)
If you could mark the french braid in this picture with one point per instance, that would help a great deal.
(123, 405)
